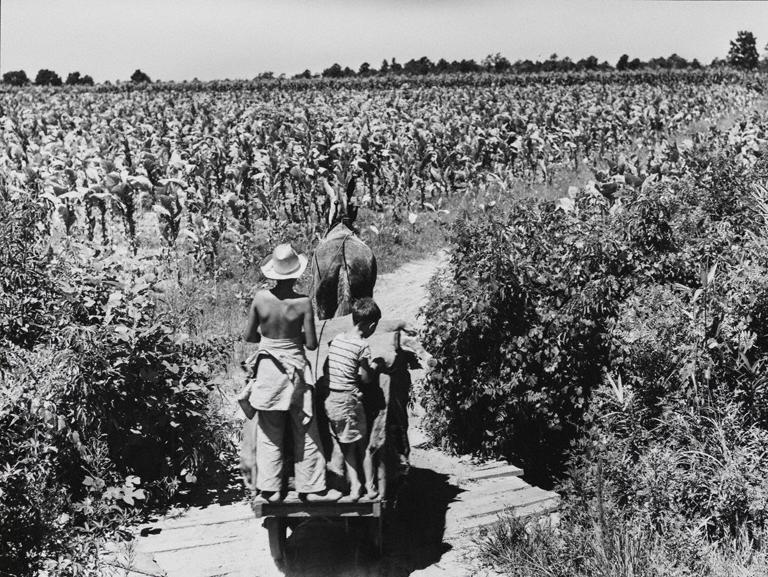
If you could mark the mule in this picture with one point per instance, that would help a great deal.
(343, 269)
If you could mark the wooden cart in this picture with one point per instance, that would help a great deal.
(388, 423)
(278, 517)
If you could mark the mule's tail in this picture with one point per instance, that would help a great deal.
(343, 292)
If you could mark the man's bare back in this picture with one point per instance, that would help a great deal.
(282, 313)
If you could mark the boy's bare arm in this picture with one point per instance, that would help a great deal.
(251, 334)
(393, 325)
(310, 337)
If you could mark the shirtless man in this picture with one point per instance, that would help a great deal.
(282, 322)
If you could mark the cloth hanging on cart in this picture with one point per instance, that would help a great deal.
(282, 377)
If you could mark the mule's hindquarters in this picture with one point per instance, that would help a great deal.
(326, 289)
(344, 269)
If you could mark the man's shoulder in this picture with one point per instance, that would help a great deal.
(263, 293)
(266, 295)
(303, 302)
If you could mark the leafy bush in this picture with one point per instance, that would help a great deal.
(103, 407)
(633, 337)
(518, 333)
(527, 318)
(680, 430)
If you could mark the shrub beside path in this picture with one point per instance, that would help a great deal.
(430, 533)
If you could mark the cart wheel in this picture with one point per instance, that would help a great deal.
(377, 535)
(276, 528)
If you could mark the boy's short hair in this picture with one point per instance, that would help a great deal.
(365, 311)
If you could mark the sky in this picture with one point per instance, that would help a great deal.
(210, 39)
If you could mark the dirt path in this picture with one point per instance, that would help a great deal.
(429, 533)
(400, 294)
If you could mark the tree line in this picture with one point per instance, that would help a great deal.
(47, 77)
(500, 64)
(742, 54)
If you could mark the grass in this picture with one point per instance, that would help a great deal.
(580, 546)
(397, 243)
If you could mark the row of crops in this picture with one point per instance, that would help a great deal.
(215, 165)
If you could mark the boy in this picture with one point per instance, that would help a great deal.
(281, 389)
(349, 368)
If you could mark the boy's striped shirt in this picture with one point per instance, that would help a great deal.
(344, 356)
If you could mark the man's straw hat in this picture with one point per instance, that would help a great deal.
(284, 263)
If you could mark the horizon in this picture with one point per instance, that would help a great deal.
(171, 40)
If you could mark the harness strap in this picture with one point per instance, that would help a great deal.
(317, 352)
